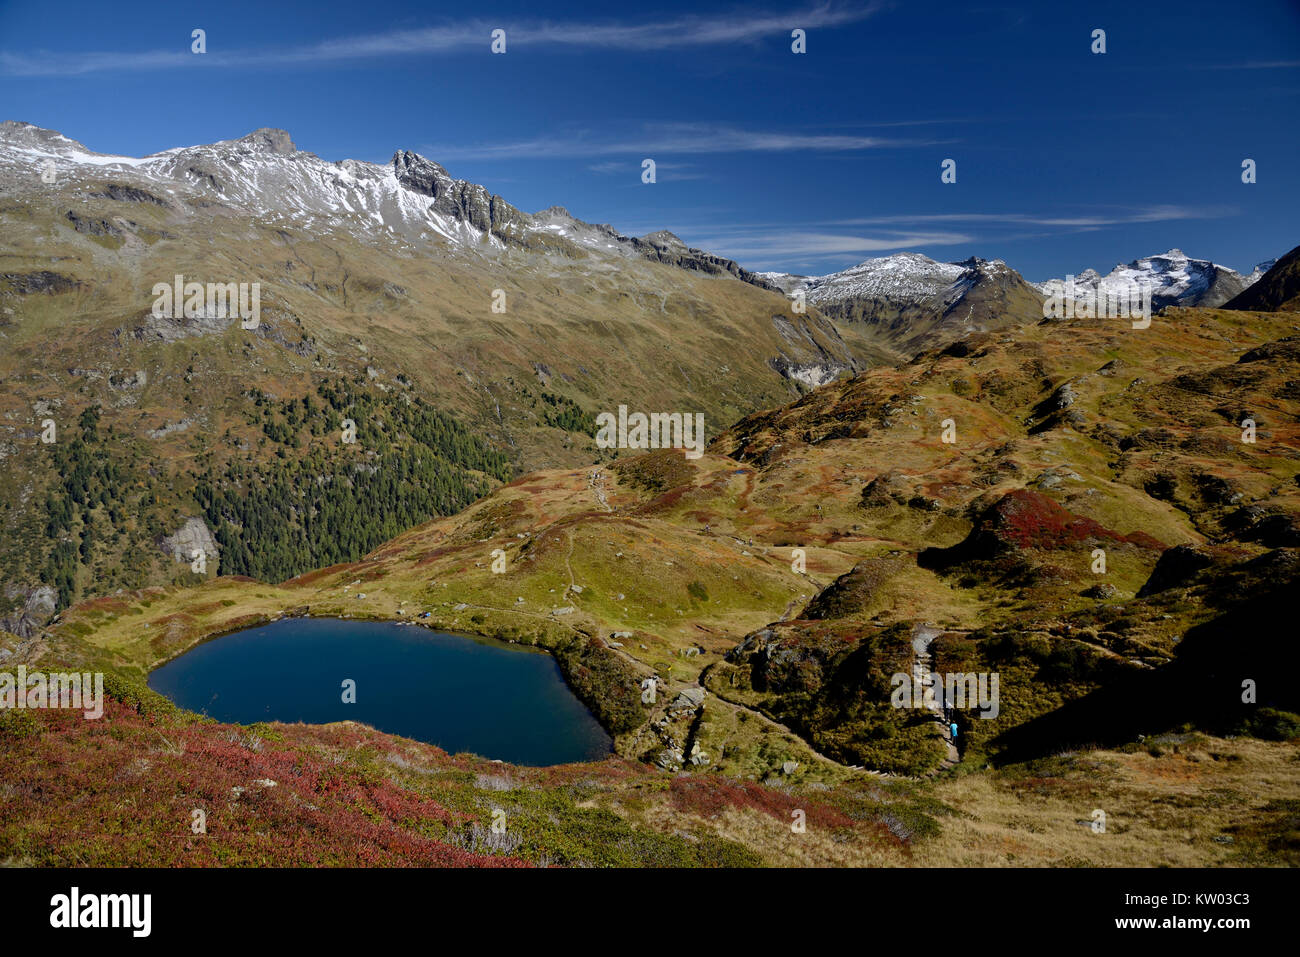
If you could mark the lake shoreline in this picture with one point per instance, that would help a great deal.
(438, 691)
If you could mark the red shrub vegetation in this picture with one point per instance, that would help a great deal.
(709, 797)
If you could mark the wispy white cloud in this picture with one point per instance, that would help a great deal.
(633, 169)
(713, 30)
(1148, 214)
(764, 247)
(803, 247)
(738, 27)
(62, 63)
(669, 139)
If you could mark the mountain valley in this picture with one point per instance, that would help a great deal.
(910, 471)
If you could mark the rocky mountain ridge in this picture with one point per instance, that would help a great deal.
(412, 198)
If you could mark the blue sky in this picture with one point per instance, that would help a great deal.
(808, 163)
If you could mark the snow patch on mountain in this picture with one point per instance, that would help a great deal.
(900, 276)
(1259, 270)
(1174, 278)
(410, 200)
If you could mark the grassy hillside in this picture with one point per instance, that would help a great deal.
(242, 428)
(1121, 688)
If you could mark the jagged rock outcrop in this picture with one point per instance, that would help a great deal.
(128, 194)
(44, 281)
(92, 226)
(464, 201)
(665, 247)
(34, 604)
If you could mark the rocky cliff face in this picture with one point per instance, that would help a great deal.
(665, 247)
(461, 200)
(32, 606)
(192, 537)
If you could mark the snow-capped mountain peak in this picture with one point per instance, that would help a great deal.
(901, 275)
(1174, 278)
(411, 200)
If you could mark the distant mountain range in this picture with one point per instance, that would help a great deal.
(905, 289)
(411, 198)
(893, 305)
(910, 473)
(331, 241)
(1175, 279)
(390, 291)
(912, 302)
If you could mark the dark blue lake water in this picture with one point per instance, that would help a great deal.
(460, 693)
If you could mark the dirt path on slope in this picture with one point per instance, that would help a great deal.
(923, 678)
